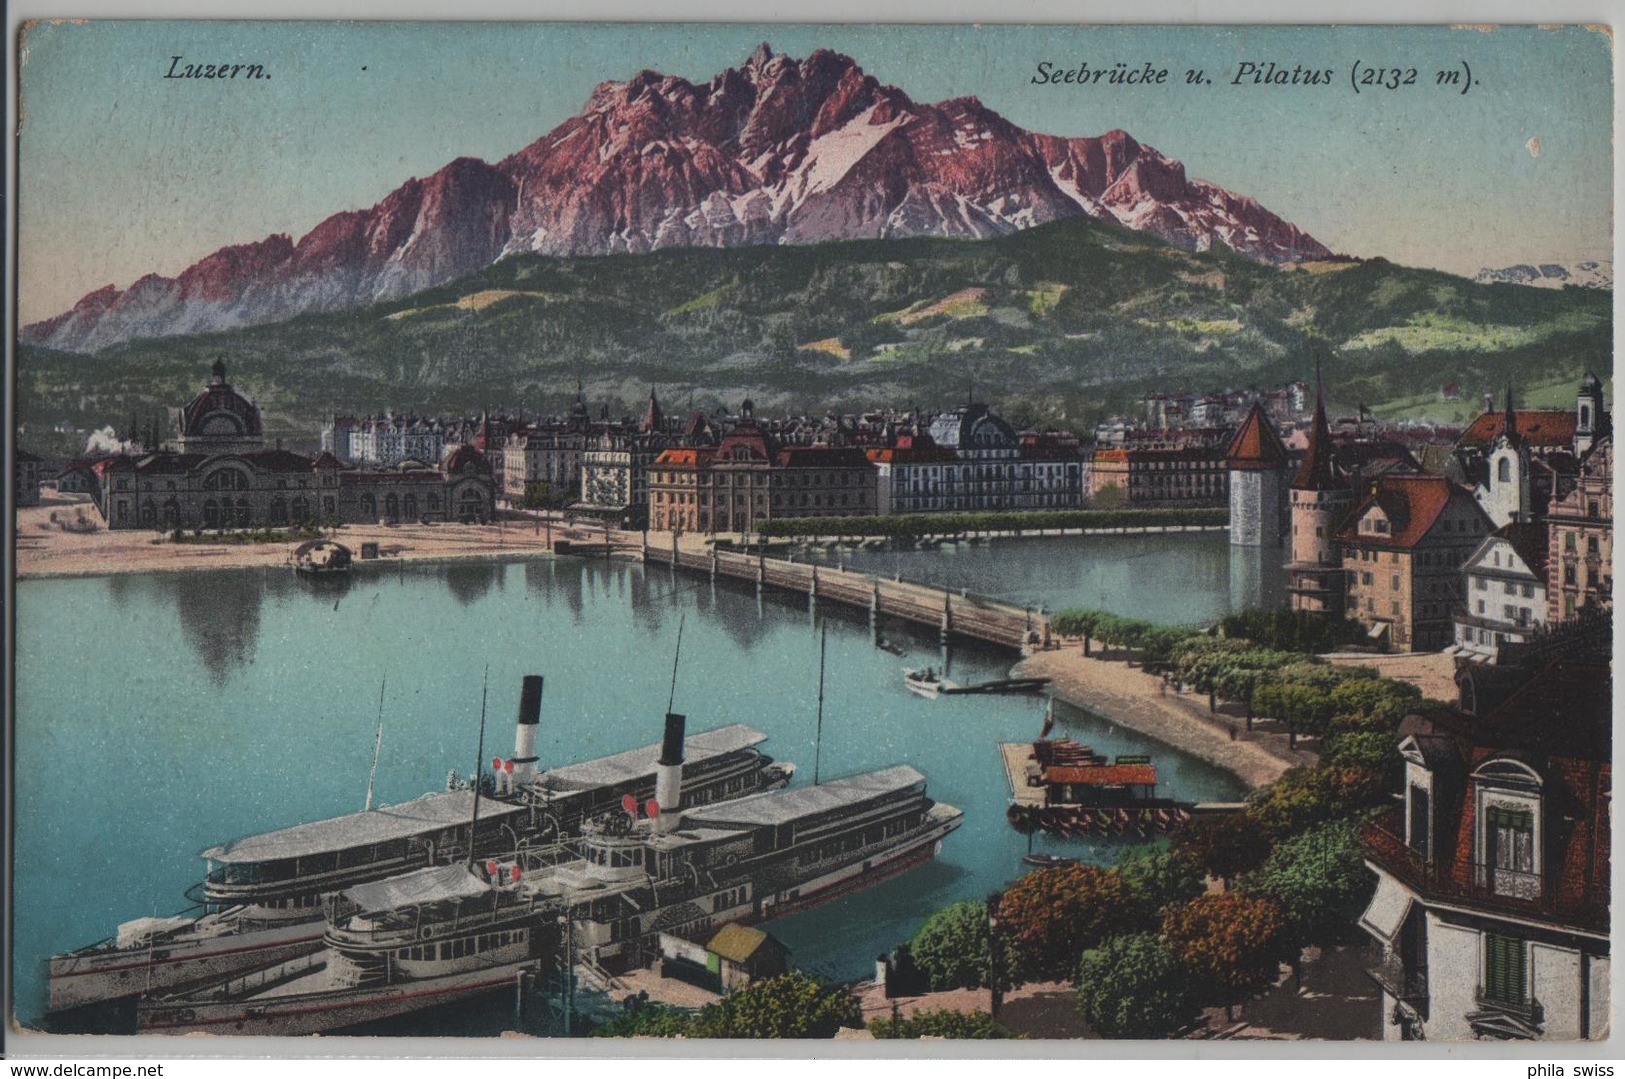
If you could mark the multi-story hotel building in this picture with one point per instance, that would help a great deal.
(1580, 538)
(1182, 476)
(748, 478)
(1403, 548)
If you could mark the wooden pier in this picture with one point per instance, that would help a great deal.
(952, 613)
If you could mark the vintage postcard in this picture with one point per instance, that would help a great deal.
(597, 531)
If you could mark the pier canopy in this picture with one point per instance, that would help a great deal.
(430, 813)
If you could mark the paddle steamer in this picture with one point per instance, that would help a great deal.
(262, 896)
(445, 933)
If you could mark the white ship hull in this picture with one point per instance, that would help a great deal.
(92, 976)
(292, 1012)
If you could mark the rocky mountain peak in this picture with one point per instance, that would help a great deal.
(777, 150)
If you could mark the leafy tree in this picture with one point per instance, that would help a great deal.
(1375, 751)
(951, 948)
(1305, 797)
(1223, 845)
(1050, 916)
(1320, 882)
(790, 1006)
(1161, 878)
(1076, 623)
(940, 1024)
(1131, 986)
(1232, 943)
(1380, 703)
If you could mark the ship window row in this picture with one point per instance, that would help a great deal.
(296, 902)
(615, 857)
(732, 897)
(463, 946)
(875, 833)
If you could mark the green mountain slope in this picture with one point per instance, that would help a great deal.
(1061, 323)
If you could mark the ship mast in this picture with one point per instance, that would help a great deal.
(818, 735)
(479, 764)
(671, 701)
(377, 743)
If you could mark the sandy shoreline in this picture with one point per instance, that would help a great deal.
(1130, 697)
(45, 550)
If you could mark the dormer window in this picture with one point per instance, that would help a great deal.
(1507, 841)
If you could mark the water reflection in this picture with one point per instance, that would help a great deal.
(1256, 578)
(470, 581)
(219, 614)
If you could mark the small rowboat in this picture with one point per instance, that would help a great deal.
(926, 683)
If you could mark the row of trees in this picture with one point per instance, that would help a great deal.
(944, 524)
(1144, 943)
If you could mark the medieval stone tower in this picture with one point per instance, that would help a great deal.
(1321, 498)
(1257, 461)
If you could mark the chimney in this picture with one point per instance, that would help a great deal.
(669, 773)
(524, 735)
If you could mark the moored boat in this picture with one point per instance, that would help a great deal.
(262, 896)
(926, 682)
(438, 935)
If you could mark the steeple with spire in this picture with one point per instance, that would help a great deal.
(653, 422)
(1321, 499)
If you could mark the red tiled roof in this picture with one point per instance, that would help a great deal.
(1103, 775)
(1412, 502)
(1536, 426)
(1256, 446)
(685, 458)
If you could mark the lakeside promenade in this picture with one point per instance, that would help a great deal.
(1131, 698)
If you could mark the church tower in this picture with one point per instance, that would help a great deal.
(1505, 495)
(1320, 503)
(1590, 414)
(1257, 461)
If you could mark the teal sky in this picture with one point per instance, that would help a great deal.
(123, 172)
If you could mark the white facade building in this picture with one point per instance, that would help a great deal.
(1505, 587)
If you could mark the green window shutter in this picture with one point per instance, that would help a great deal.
(1504, 972)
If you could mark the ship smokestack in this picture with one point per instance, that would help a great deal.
(669, 773)
(524, 735)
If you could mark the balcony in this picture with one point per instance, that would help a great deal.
(1484, 887)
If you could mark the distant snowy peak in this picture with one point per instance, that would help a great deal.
(1589, 274)
(776, 151)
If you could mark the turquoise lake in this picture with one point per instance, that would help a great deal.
(159, 714)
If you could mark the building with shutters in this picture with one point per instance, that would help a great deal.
(1491, 906)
